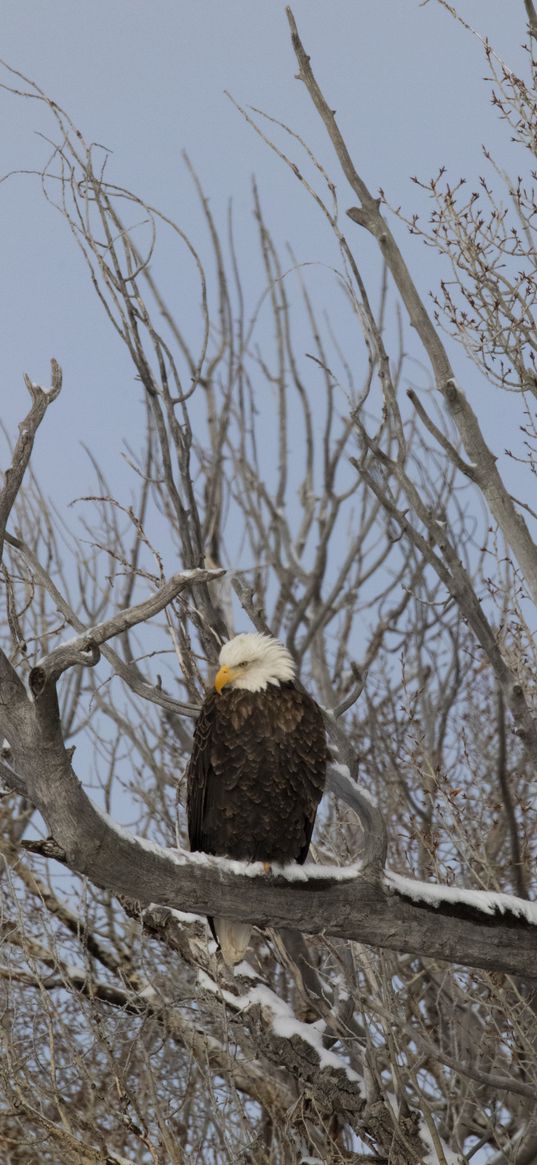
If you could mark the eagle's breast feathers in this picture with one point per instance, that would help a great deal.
(257, 774)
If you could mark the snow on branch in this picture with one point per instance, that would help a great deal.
(487, 901)
(284, 1023)
(291, 872)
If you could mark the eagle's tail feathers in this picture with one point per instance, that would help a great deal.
(233, 938)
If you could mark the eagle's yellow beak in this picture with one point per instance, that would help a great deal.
(225, 675)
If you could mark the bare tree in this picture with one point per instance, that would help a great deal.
(387, 1011)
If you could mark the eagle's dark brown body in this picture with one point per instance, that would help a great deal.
(256, 774)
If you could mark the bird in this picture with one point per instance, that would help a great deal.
(257, 769)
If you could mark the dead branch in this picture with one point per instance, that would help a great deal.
(41, 399)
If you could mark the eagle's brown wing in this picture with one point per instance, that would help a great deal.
(256, 774)
(199, 775)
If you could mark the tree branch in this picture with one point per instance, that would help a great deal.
(452, 573)
(519, 876)
(127, 671)
(360, 908)
(340, 783)
(443, 441)
(367, 215)
(41, 399)
(85, 648)
(532, 18)
(352, 907)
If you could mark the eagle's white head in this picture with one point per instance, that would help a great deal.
(252, 662)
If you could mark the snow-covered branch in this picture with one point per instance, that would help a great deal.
(316, 900)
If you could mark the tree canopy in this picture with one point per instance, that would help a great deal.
(303, 482)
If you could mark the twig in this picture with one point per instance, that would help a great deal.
(532, 18)
(503, 781)
(443, 441)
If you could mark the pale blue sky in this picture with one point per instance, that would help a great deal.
(147, 80)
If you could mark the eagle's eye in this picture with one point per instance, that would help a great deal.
(244, 663)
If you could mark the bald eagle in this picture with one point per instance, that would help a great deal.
(258, 767)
